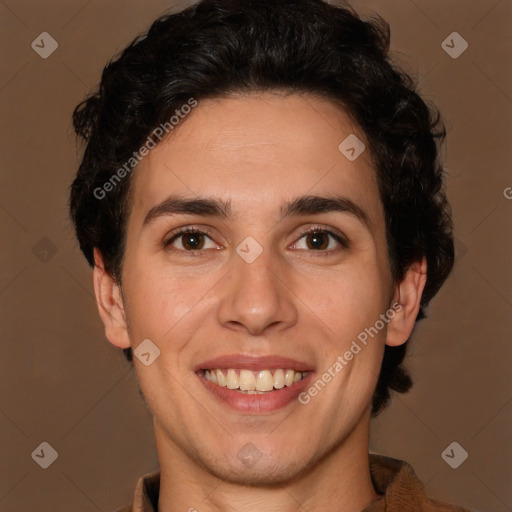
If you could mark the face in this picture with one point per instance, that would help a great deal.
(283, 265)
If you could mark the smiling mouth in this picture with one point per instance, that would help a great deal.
(253, 382)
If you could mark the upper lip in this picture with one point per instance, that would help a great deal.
(249, 362)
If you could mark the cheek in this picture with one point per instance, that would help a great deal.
(157, 302)
(350, 300)
(168, 306)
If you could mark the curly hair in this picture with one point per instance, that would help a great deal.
(218, 47)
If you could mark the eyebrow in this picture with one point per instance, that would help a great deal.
(212, 207)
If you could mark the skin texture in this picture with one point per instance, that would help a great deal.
(258, 152)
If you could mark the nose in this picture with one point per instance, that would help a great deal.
(258, 296)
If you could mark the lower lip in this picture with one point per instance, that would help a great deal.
(257, 403)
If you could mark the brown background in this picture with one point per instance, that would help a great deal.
(63, 383)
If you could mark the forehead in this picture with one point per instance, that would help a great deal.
(256, 151)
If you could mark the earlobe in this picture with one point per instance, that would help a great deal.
(110, 304)
(406, 303)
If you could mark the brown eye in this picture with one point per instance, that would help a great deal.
(190, 240)
(322, 241)
(318, 240)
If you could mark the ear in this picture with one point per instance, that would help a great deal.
(406, 303)
(110, 304)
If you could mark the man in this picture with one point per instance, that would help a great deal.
(261, 201)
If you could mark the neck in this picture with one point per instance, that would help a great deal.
(337, 480)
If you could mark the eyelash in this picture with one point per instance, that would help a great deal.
(315, 229)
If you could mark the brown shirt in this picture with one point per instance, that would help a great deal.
(394, 479)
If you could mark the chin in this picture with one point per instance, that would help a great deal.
(270, 469)
(261, 475)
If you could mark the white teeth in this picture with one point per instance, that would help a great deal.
(251, 382)
(221, 380)
(232, 381)
(247, 380)
(265, 381)
(279, 379)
